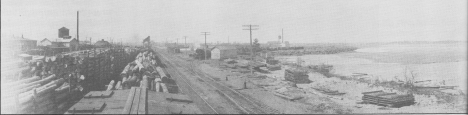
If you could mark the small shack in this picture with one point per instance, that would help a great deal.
(223, 52)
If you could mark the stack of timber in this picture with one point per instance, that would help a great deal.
(297, 75)
(95, 102)
(387, 99)
(137, 101)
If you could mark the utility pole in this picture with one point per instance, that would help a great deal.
(177, 41)
(251, 47)
(206, 46)
(185, 44)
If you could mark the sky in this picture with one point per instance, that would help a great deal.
(302, 21)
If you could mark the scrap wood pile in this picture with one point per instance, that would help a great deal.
(388, 99)
(145, 71)
(52, 83)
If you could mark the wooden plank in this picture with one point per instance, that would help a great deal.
(87, 107)
(128, 104)
(372, 92)
(99, 94)
(142, 106)
(136, 101)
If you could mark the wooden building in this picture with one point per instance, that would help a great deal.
(27, 44)
(45, 42)
(223, 52)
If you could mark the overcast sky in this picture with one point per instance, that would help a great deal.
(303, 21)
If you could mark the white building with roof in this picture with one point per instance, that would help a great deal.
(223, 52)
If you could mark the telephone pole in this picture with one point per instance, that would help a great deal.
(251, 47)
(206, 46)
(185, 44)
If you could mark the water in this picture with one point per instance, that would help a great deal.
(437, 62)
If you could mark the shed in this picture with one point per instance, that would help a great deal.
(223, 52)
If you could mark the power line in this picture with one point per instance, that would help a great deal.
(251, 47)
(206, 46)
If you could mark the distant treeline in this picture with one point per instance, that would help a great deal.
(329, 49)
(317, 49)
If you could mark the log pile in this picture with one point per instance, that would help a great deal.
(146, 72)
(32, 95)
(51, 84)
(388, 99)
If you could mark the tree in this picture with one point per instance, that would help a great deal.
(256, 46)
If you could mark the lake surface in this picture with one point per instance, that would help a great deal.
(437, 62)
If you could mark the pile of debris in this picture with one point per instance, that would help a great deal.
(388, 99)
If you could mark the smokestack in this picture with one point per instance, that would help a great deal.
(77, 26)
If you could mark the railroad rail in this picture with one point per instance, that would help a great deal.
(245, 103)
(190, 88)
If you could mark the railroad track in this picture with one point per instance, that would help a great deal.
(190, 88)
(245, 103)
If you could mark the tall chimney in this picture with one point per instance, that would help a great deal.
(77, 26)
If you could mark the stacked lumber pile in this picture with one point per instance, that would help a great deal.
(297, 75)
(388, 99)
(137, 101)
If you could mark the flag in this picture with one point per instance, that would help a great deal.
(147, 39)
